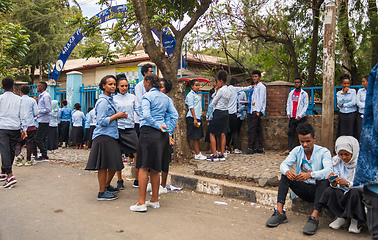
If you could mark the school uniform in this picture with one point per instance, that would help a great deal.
(64, 125)
(52, 135)
(77, 132)
(128, 138)
(86, 129)
(30, 108)
(91, 118)
(258, 105)
(139, 92)
(44, 109)
(209, 116)
(361, 97)
(348, 113)
(220, 122)
(105, 152)
(156, 110)
(193, 100)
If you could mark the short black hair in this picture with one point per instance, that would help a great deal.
(103, 81)
(366, 77)
(256, 72)
(344, 76)
(44, 84)
(90, 109)
(222, 76)
(249, 80)
(167, 84)
(211, 92)
(153, 79)
(145, 68)
(77, 106)
(193, 81)
(234, 81)
(300, 79)
(64, 102)
(8, 83)
(25, 89)
(305, 128)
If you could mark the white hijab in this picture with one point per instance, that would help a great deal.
(351, 145)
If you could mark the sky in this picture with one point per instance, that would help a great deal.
(89, 7)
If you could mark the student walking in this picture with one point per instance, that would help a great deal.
(105, 155)
(52, 135)
(44, 109)
(77, 132)
(11, 121)
(64, 125)
(219, 125)
(194, 130)
(152, 156)
(128, 138)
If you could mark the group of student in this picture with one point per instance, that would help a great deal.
(225, 116)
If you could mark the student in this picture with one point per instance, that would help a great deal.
(367, 168)
(64, 125)
(258, 105)
(105, 155)
(313, 166)
(78, 117)
(219, 125)
(30, 109)
(128, 138)
(11, 121)
(155, 108)
(91, 118)
(240, 116)
(194, 130)
(343, 200)
(44, 109)
(209, 116)
(347, 102)
(87, 127)
(296, 107)
(361, 97)
(52, 135)
(232, 113)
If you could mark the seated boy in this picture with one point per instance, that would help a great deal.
(313, 165)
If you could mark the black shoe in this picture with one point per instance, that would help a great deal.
(261, 151)
(135, 184)
(249, 151)
(112, 189)
(41, 158)
(276, 219)
(120, 185)
(311, 226)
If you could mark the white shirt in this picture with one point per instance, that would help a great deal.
(259, 98)
(126, 103)
(139, 92)
(78, 118)
(222, 98)
(30, 109)
(233, 103)
(361, 97)
(302, 104)
(11, 112)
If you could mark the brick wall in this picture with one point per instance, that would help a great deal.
(276, 97)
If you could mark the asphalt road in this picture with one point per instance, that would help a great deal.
(59, 202)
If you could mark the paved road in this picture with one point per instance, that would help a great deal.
(59, 202)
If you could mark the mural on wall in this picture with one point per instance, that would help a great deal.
(131, 74)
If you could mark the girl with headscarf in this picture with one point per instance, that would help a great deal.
(343, 200)
(52, 134)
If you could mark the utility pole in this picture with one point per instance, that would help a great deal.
(328, 74)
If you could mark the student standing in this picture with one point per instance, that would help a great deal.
(219, 125)
(11, 121)
(361, 97)
(194, 130)
(347, 102)
(258, 105)
(87, 127)
(155, 109)
(296, 107)
(91, 118)
(52, 135)
(77, 132)
(209, 116)
(44, 109)
(240, 116)
(128, 138)
(105, 155)
(64, 125)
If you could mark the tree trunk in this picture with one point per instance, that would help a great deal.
(40, 67)
(315, 39)
(373, 26)
(290, 46)
(32, 76)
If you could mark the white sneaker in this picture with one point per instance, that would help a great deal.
(222, 158)
(353, 228)
(149, 187)
(226, 153)
(338, 223)
(199, 157)
(138, 208)
(162, 190)
(237, 151)
(153, 204)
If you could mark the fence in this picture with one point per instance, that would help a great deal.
(60, 94)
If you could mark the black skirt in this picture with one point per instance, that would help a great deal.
(347, 124)
(128, 140)
(91, 129)
(193, 132)
(52, 138)
(86, 134)
(153, 150)
(77, 135)
(64, 130)
(219, 123)
(105, 154)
